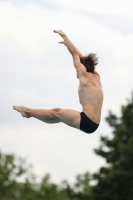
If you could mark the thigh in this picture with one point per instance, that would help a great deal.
(70, 117)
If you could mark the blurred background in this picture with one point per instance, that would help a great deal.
(36, 71)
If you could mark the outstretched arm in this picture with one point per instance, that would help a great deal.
(71, 47)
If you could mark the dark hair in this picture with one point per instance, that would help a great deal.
(89, 61)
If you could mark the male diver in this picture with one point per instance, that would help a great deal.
(90, 95)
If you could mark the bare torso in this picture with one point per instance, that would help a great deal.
(91, 96)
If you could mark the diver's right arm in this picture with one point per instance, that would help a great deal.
(71, 47)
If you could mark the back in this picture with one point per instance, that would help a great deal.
(91, 95)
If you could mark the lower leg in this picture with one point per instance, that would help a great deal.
(67, 116)
(41, 114)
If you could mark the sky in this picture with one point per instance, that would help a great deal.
(36, 71)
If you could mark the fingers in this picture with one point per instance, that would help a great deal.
(62, 43)
(55, 31)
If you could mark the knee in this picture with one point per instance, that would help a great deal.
(56, 111)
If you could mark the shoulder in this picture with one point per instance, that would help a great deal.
(82, 71)
(78, 65)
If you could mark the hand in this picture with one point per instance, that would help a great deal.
(60, 32)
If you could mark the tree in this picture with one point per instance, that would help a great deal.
(11, 170)
(115, 182)
(14, 169)
(49, 191)
(82, 187)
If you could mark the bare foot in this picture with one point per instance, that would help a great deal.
(23, 110)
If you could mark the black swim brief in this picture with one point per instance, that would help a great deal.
(86, 124)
